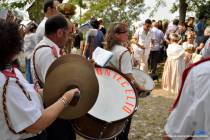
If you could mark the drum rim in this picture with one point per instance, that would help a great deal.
(96, 119)
(148, 76)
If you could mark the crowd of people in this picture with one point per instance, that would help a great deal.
(179, 45)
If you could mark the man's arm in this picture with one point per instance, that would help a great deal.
(139, 45)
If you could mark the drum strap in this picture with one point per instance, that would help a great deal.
(54, 52)
(120, 59)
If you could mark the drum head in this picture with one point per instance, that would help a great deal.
(143, 79)
(117, 98)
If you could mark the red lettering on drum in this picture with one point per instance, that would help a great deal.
(127, 110)
(107, 72)
(129, 104)
(115, 75)
(130, 97)
(124, 84)
(119, 78)
(99, 71)
(129, 91)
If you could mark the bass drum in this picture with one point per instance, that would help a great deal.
(116, 103)
(143, 80)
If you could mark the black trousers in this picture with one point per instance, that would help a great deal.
(154, 58)
(61, 130)
(124, 134)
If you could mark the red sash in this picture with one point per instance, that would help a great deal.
(9, 73)
(184, 76)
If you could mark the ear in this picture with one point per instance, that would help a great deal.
(60, 33)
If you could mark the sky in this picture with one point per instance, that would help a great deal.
(163, 12)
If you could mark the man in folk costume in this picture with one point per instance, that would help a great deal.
(144, 40)
(46, 52)
(49, 10)
(22, 116)
(189, 119)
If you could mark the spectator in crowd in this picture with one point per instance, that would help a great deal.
(158, 38)
(144, 39)
(190, 44)
(174, 65)
(160, 25)
(94, 38)
(50, 9)
(206, 50)
(206, 37)
(137, 52)
(101, 26)
(182, 32)
(190, 47)
(190, 24)
(199, 29)
(172, 28)
(29, 45)
(78, 41)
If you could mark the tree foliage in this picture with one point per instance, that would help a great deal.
(15, 4)
(114, 10)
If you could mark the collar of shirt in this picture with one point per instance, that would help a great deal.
(48, 42)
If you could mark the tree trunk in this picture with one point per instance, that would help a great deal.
(182, 10)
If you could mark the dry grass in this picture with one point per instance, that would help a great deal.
(148, 122)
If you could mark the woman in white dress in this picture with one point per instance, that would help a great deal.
(174, 65)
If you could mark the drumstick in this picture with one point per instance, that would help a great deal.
(75, 99)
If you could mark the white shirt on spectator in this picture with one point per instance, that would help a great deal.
(29, 44)
(158, 37)
(40, 30)
(144, 39)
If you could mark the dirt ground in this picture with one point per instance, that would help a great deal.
(148, 122)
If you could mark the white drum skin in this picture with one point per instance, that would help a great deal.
(117, 99)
